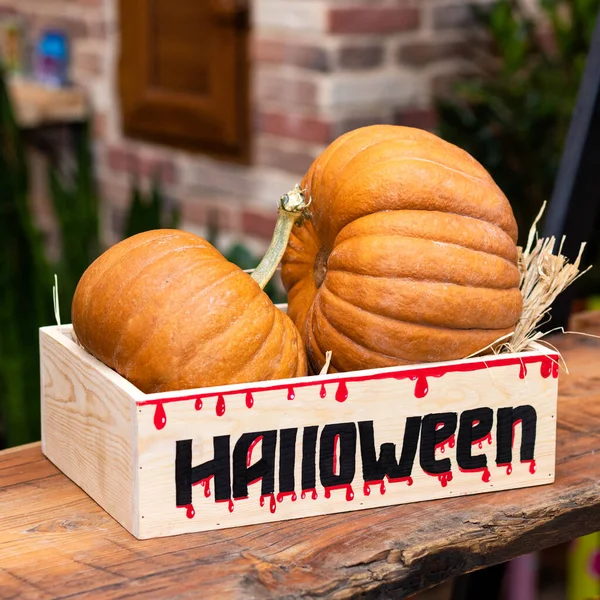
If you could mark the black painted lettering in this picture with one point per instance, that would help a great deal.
(309, 457)
(474, 425)
(436, 428)
(375, 469)
(346, 451)
(218, 467)
(287, 459)
(508, 418)
(244, 474)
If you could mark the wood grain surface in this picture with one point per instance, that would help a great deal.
(37, 105)
(57, 543)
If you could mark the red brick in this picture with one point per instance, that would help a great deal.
(125, 161)
(265, 50)
(73, 27)
(164, 170)
(453, 15)
(202, 211)
(422, 118)
(299, 127)
(291, 91)
(194, 212)
(258, 224)
(270, 154)
(378, 19)
(119, 159)
(311, 57)
(350, 123)
(361, 57)
(423, 53)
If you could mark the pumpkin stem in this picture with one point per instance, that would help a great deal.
(292, 208)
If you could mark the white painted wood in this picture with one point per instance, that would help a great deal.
(88, 423)
(91, 416)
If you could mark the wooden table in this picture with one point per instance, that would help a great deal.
(57, 543)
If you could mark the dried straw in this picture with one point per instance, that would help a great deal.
(325, 368)
(544, 275)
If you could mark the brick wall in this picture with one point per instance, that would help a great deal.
(319, 68)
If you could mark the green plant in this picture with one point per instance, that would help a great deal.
(147, 212)
(76, 206)
(514, 117)
(239, 254)
(25, 284)
(26, 273)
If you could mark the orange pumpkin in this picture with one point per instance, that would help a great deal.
(168, 312)
(410, 255)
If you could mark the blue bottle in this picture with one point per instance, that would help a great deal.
(52, 59)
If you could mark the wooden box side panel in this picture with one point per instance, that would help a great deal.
(88, 426)
(199, 454)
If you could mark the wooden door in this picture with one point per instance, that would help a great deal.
(183, 74)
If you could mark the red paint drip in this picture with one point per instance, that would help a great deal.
(252, 446)
(381, 483)
(485, 473)
(451, 442)
(323, 391)
(160, 417)
(282, 495)
(367, 486)
(249, 400)
(522, 371)
(205, 483)
(444, 478)
(480, 441)
(272, 505)
(555, 369)
(220, 405)
(230, 505)
(291, 393)
(439, 371)
(344, 486)
(189, 511)
(421, 387)
(198, 405)
(341, 394)
(532, 465)
(546, 367)
(508, 467)
(314, 494)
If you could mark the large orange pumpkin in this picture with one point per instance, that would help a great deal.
(167, 311)
(410, 255)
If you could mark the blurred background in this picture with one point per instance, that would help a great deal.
(118, 116)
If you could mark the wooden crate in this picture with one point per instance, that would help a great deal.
(195, 460)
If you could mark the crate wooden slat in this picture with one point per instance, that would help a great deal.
(295, 448)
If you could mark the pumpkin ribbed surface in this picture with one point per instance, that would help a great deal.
(168, 312)
(410, 255)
